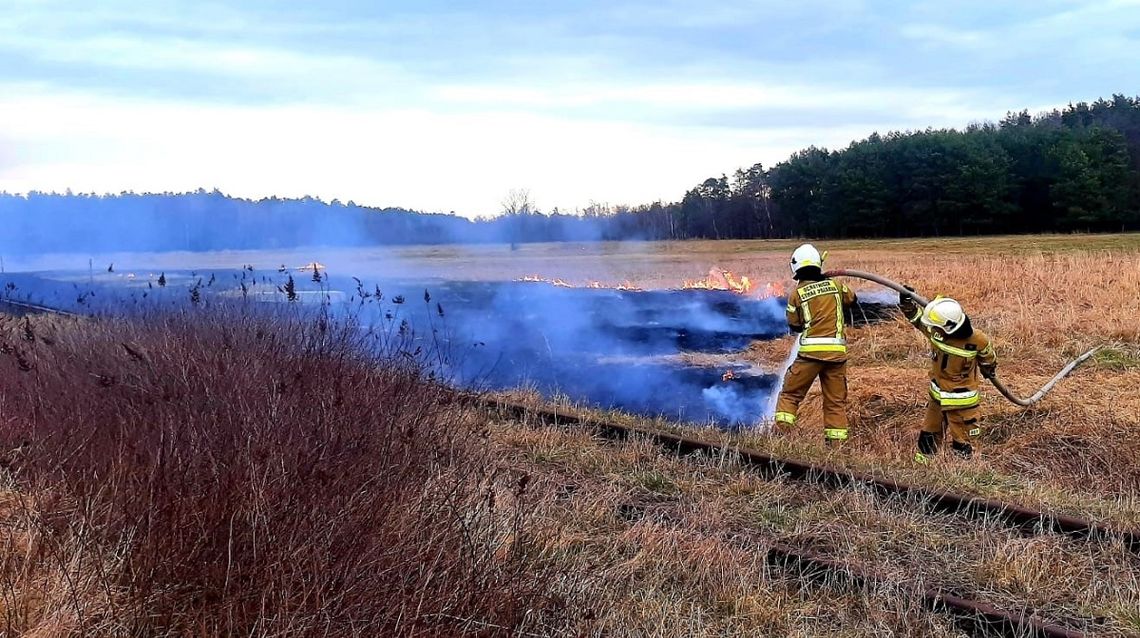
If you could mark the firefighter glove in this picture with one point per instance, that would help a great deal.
(906, 303)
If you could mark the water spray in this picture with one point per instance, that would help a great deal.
(1001, 387)
(770, 409)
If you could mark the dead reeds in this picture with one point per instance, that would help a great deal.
(224, 473)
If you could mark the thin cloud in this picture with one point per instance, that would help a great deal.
(937, 34)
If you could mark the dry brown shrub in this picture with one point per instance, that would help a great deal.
(233, 473)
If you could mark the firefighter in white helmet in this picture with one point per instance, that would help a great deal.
(959, 352)
(815, 311)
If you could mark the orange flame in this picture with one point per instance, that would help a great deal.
(717, 279)
(720, 279)
(562, 283)
(774, 289)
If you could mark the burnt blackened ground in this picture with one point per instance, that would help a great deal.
(610, 348)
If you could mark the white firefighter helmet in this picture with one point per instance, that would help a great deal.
(943, 313)
(806, 255)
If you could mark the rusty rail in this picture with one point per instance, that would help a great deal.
(982, 617)
(25, 307)
(1026, 519)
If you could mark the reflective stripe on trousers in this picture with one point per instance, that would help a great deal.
(965, 399)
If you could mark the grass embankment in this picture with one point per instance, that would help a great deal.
(678, 547)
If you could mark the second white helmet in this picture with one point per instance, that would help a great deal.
(943, 313)
(806, 255)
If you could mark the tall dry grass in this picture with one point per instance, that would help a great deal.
(217, 473)
(1041, 310)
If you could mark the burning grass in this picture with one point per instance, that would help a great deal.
(1044, 300)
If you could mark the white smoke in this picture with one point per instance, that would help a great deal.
(731, 403)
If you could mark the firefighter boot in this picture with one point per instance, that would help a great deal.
(933, 428)
(927, 447)
(964, 430)
(964, 450)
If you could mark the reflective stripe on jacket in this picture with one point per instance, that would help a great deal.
(815, 308)
(954, 365)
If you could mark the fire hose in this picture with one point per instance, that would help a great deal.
(1001, 387)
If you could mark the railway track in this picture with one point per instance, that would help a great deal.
(1027, 520)
(25, 308)
(981, 617)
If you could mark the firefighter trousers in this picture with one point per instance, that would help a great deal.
(832, 382)
(962, 423)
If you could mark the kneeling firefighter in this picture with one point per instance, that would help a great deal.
(958, 353)
(815, 310)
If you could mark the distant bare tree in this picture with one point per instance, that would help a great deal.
(517, 206)
(596, 210)
(518, 202)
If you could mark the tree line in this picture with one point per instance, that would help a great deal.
(39, 222)
(1072, 169)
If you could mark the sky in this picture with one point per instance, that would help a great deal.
(449, 107)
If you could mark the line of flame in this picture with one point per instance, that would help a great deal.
(717, 279)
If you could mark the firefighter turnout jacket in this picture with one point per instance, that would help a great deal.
(956, 360)
(815, 310)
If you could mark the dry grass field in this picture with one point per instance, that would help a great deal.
(207, 475)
